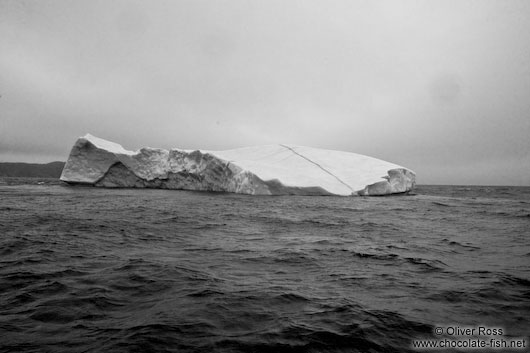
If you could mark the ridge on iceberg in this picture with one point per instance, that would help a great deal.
(259, 170)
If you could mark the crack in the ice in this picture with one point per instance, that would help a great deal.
(318, 165)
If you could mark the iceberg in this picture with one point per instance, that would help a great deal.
(260, 170)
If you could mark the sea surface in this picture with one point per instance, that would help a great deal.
(84, 269)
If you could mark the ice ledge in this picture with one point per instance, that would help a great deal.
(398, 181)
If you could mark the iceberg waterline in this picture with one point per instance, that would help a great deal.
(259, 170)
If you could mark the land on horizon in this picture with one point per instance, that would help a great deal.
(31, 170)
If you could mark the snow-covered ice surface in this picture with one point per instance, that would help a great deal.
(258, 170)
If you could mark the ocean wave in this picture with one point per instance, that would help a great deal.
(149, 270)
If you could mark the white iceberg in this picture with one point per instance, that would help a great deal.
(259, 170)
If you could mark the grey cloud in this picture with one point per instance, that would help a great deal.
(423, 84)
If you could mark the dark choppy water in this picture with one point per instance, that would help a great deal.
(90, 270)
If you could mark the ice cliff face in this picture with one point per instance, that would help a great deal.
(260, 170)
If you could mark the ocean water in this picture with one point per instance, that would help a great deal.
(134, 270)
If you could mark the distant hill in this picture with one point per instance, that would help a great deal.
(31, 170)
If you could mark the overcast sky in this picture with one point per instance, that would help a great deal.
(441, 87)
